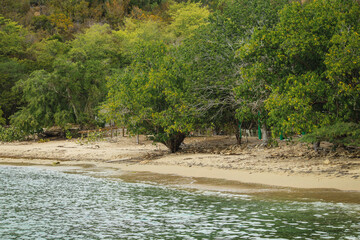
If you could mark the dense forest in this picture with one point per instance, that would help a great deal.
(165, 68)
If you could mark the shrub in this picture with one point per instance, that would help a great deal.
(347, 134)
(11, 134)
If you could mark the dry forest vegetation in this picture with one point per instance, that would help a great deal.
(166, 69)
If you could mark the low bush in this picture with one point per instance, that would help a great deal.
(345, 134)
(10, 134)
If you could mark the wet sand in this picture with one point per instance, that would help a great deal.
(191, 183)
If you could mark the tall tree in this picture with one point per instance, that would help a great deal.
(71, 89)
(210, 57)
(186, 18)
(148, 98)
(14, 63)
(149, 95)
(343, 71)
(308, 92)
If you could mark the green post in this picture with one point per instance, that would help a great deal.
(240, 129)
(259, 127)
(281, 135)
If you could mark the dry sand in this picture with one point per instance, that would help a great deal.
(289, 165)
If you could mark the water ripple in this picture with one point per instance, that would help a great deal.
(43, 204)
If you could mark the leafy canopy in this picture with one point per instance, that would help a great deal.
(149, 95)
(14, 64)
(72, 87)
(290, 70)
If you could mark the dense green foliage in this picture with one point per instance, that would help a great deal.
(74, 83)
(11, 134)
(290, 70)
(166, 68)
(148, 95)
(211, 62)
(13, 64)
(340, 134)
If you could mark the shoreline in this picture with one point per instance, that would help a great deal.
(283, 167)
(175, 177)
(268, 179)
(249, 177)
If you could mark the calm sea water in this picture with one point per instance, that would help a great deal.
(44, 204)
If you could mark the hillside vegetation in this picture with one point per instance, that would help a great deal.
(165, 68)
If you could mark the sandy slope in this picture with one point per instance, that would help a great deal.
(292, 165)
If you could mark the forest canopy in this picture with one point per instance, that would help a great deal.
(165, 68)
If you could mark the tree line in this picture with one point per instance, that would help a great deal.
(165, 68)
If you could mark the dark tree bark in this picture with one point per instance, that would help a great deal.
(316, 146)
(174, 142)
(237, 133)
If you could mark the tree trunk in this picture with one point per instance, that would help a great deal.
(264, 134)
(237, 133)
(174, 141)
(72, 105)
(316, 146)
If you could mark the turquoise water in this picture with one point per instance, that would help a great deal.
(43, 204)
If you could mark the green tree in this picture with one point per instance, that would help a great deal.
(42, 103)
(2, 120)
(285, 66)
(14, 64)
(12, 39)
(74, 9)
(46, 52)
(147, 96)
(210, 59)
(42, 22)
(11, 71)
(208, 64)
(14, 9)
(71, 89)
(343, 73)
(186, 18)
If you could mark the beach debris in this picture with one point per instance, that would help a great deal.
(119, 160)
(327, 162)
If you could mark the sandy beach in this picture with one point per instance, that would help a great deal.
(291, 164)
